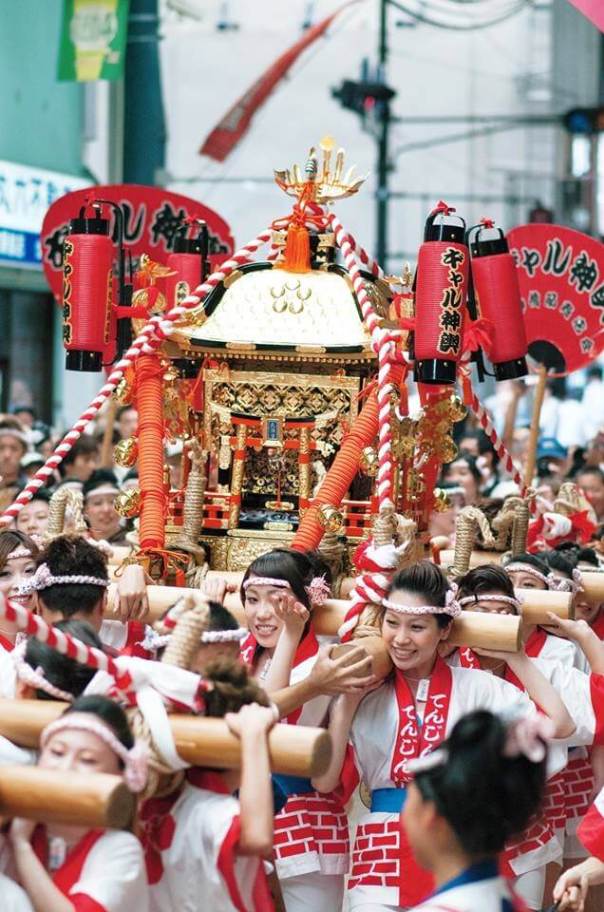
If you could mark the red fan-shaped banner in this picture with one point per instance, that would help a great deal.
(561, 276)
(151, 217)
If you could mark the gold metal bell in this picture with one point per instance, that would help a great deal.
(330, 518)
(368, 462)
(125, 453)
(128, 503)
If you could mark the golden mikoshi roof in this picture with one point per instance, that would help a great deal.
(269, 309)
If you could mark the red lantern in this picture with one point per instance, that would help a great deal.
(497, 293)
(87, 290)
(188, 261)
(440, 297)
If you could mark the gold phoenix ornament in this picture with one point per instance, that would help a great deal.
(320, 183)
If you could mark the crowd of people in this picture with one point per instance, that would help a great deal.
(463, 779)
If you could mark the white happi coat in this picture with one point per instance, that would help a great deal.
(196, 859)
(480, 894)
(311, 832)
(14, 898)
(108, 877)
(375, 870)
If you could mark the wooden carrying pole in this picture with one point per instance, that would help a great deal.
(531, 455)
(53, 796)
(328, 618)
(294, 750)
(474, 629)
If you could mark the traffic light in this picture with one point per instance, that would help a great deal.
(364, 97)
(584, 120)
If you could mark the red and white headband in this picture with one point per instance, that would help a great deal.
(514, 603)
(35, 677)
(134, 760)
(552, 582)
(318, 590)
(43, 579)
(19, 553)
(451, 606)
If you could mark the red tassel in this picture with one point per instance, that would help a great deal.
(297, 249)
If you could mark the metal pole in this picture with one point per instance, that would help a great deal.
(381, 245)
(144, 128)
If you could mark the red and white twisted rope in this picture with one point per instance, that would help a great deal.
(486, 422)
(369, 589)
(34, 625)
(153, 333)
(384, 346)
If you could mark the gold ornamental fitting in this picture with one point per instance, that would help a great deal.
(330, 518)
(125, 453)
(441, 501)
(457, 410)
(368, 462)
(123, 392)
(128, 503)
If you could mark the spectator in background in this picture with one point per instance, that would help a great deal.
(33, 518)
(562, 416)
(104, 522)
(127, 421)
(25, 414)
(13, 446)
(591, 480)
(81, 461)
(552, 458)
(594, 454)
(442, 522)
(593, 402)
(464, 472)
(31, 462)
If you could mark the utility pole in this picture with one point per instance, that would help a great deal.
(144, 128)
(383, 164)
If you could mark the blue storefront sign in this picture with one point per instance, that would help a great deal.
(25, 195)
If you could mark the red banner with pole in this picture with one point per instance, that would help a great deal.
(561, 278)
(235, 123)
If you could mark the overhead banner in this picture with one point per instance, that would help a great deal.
(93, 40)
(221, 141)
(151, 217)
(561, 276)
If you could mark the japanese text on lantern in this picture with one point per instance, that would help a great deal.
(449, 340)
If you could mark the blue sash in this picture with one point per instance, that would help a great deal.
(388, 800)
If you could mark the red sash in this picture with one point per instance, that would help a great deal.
(71, 870)
(598, 625)
(6, 644)
(532, 648)
(412, 741)
(415, 883)
(468, 658)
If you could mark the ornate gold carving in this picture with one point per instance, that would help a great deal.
(237, 473)
(245, 546)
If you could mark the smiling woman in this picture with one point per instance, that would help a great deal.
(18, 555)
(408, 716)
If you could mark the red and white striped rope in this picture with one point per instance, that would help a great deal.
(383, 343)
(65, 644)
(486, 422)
(369, 589)
(153, 333)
